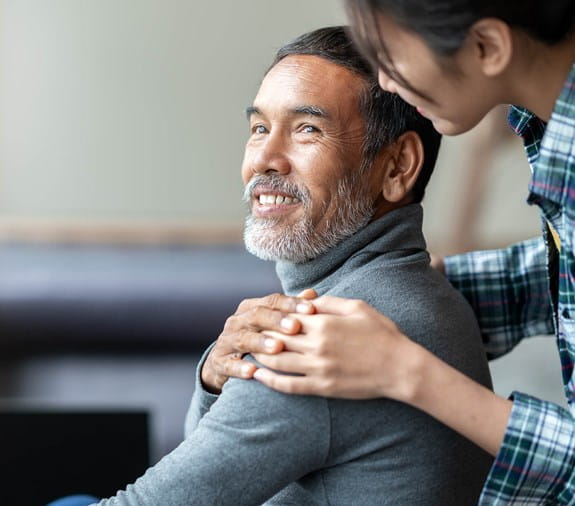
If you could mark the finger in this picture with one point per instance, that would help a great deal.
(289, 362)
(312, 326)
(260, 318)
(273, 334)
(236, 368)
(344, 307)
(348, 308)
(336, 305)
(279, 302)
(299, 343)
(300, 385)
(253, 342)
(437, 263)
(316, 322)
(308, 294)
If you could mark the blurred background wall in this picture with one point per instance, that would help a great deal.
(124, 120)
(132, 112)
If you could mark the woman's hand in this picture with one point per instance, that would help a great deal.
(351, 351)
(347, 350)
(242, 334)
(437, 263)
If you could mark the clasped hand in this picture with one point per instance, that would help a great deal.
(332, 347)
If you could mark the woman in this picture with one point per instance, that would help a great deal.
(455, 60)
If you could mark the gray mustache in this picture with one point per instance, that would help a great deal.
(276, 183)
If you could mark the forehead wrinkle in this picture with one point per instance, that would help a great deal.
(310, 85)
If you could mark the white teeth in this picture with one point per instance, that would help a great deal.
(267, 199)
(277, 200)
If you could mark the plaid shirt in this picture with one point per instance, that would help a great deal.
(529, 289)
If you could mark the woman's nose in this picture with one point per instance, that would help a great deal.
(385, 82)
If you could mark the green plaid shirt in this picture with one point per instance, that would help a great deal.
(526, 290)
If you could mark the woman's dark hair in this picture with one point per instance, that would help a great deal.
(386, 115)
(444, 24)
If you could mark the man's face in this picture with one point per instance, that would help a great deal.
(302, 160)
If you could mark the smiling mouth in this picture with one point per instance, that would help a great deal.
(273, 199)
(270, 204)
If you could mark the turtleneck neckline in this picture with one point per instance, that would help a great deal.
(395, 236)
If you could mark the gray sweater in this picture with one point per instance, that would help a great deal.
(255, 445)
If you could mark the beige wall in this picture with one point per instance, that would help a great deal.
(503, 216)
(131, 111)
(134, 109)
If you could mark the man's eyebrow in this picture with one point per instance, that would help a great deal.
(306, 110)
(251, 110)
(311, 110)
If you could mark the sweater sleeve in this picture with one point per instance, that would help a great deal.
(508, 291)
(536, 462)
(202, 400)
(250, 444)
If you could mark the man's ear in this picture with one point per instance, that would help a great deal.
(402, 167)
(492, 43)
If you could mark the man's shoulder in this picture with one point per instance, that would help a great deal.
(397, 289)
(422, 302)
(382, 282)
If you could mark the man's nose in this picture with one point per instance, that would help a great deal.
(271, 156)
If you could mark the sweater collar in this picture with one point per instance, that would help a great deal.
(395, 235)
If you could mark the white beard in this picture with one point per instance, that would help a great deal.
(268, 239)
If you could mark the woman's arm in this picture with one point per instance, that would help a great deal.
(386, 364)
(508, 291)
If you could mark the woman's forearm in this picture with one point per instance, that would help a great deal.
(448, 395)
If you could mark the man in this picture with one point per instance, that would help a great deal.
(334, 169)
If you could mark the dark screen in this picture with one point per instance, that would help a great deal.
(47, 455)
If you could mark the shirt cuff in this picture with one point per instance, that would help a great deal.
(535, 463)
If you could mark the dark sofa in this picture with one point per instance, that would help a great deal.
(108, 326)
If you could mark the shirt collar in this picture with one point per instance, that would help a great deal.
(519, 119)
(547, 144)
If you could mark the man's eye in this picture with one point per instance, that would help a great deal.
(259, 129)
(308, 129)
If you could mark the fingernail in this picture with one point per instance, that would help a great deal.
(303, 307)
(270, 344)
(246, 368)
(287, 323)
(259, 374)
